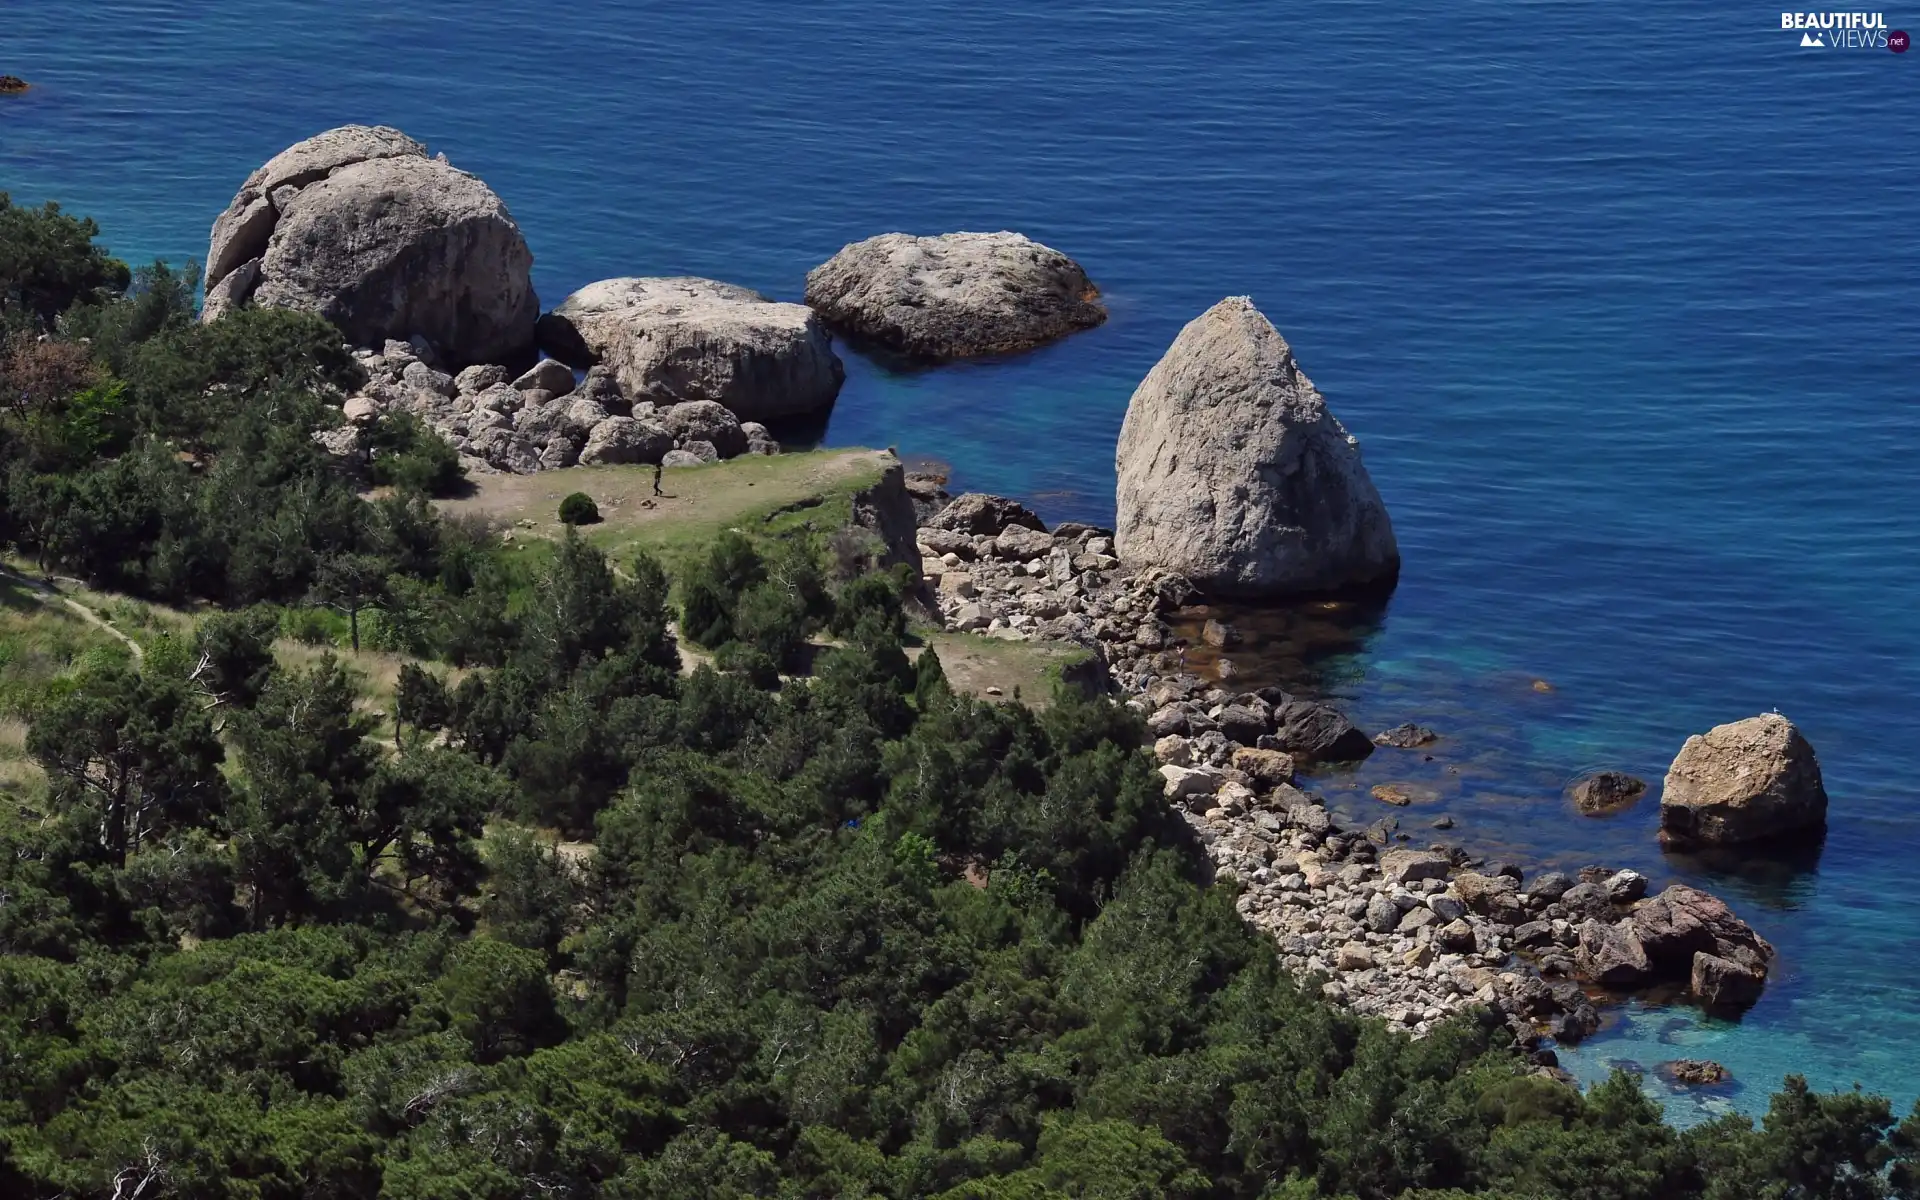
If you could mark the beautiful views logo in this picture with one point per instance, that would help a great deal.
(1844, 30)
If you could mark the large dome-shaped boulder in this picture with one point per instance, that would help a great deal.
(954, 296)
(1742, 782)
(361, 227)
(1233, 473)
(674, 340)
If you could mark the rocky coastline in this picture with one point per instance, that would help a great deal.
(1411, 934)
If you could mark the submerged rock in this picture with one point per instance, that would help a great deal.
(1606, 792)
(1742, 782)
(954, 296)
(1406, 737)
(359, 226)
(1233, 472)
(672, 340)
(1693, 1072)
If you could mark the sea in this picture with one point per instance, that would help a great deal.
(1622, 302)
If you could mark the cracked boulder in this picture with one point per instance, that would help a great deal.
(679, 340)
(360, 226)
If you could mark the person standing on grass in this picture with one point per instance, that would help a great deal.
(657, 469)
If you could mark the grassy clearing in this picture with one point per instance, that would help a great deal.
(769, 496)
(42, 642)
(998, 669)
(374, 672)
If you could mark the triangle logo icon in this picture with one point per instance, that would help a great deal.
(1808, 39)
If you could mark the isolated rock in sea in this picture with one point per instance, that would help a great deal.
(954, 296)
(1606, 792)
(671, 340)
(358, 225)
(1742, 782)
(1233, 473)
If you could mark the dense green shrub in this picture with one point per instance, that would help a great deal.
(579, 509)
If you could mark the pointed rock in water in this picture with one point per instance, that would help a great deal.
(1742, 782)
(954, 296)
(1233, 473)
(358, 225)
(671, 340)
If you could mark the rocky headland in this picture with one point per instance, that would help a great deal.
(1232, 468)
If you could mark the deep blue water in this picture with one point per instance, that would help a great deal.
(1621, 302)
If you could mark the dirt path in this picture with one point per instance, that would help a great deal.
(47, 591)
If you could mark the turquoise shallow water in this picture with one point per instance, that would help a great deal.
(1622, 306)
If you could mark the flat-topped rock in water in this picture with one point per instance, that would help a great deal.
(954, 296)
(1742, 782)
(1233, 472)
(672, 340)
(358, 225)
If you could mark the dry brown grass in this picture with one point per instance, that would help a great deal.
(375, 672)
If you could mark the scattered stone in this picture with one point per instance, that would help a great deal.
(954, 296)
(1213, 633)
(1746, 781)
(1395, 794)
(1412, 866)
(1173, 751)
(981, 515)
(1190, 781)
(1549, 886)
(548, 375)
(1624, 887)
(1354, 956)
(478, 378)
(1612, 956)
(1267, 768)
(1233, 473)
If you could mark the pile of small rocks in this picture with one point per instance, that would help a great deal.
(1406, 934)
(544, 419)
